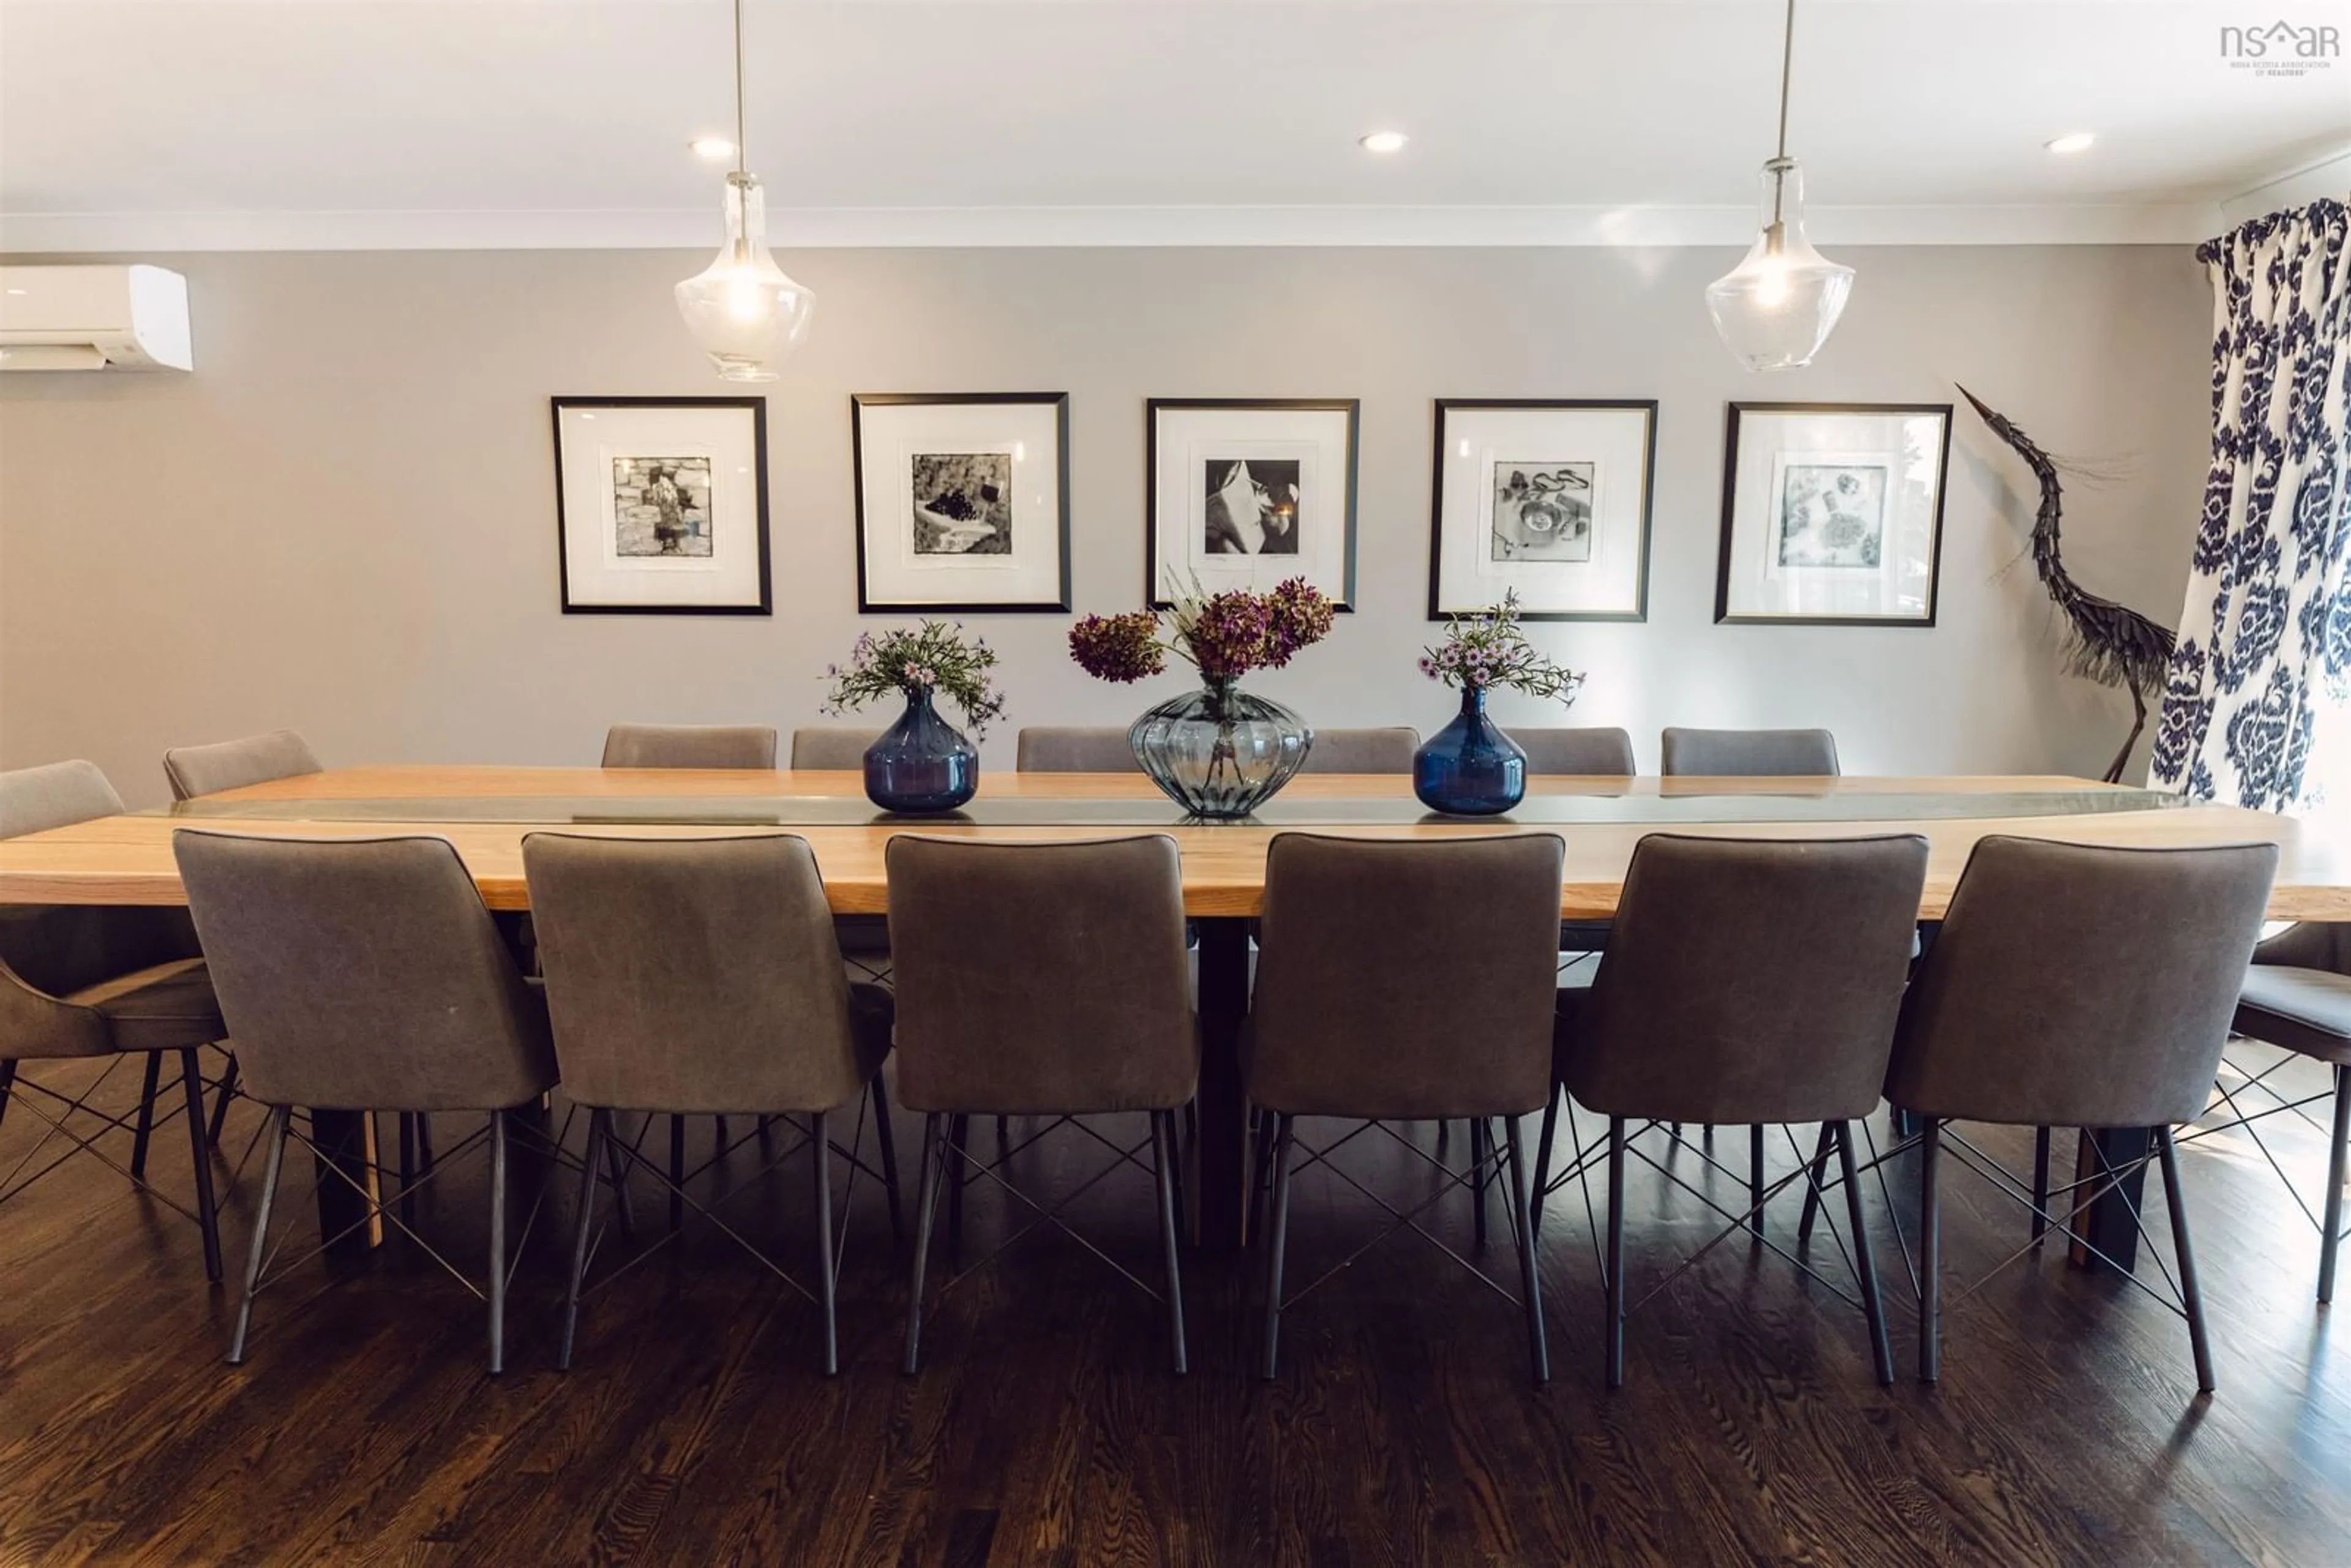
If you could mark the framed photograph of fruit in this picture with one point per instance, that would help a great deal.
(660, 506)
(1546, 499)
(1241, 493)
(963, 501)
(1832, 513)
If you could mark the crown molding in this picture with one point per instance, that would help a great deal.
(2329, 177)
(889, 227)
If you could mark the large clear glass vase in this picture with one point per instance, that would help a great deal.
(1219, 752)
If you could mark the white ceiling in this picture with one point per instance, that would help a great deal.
(200, 123)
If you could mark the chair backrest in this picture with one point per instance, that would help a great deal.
(1749, 979)
(362, 974)
(2310, 944)
(1406, 979)
(832, 748)
(2081, 985)
(56, 795)
(1075, 748)
(690, 746)
(1607, 752)
(1362, 751)
(1040, 978)
(1751, 753)
(195, 770)
(692, 974)
(53, 949)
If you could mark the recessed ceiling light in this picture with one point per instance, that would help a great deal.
(1383, 142)
(2073, 142)
(717, 149)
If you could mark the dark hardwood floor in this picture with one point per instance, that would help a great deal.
(1045, 1429)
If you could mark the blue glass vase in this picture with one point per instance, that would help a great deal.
(922, 764)
(1470, 768)
(1219, 752)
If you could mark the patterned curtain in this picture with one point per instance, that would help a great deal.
(2257, 710)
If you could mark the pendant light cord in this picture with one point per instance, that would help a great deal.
(1787, 62)
(742, 150)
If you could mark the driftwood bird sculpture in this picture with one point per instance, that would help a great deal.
(2110, 643)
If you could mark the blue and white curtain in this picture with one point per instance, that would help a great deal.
(2257, 711)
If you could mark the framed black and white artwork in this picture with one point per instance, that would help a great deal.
(963, 501)
(1547, 499)
(661, 505)
(1243, 493)
(1832, 513)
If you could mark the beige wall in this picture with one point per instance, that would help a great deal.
(343, 521)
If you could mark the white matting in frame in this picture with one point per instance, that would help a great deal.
(662, 504)
(1546, 499)
(962, 501)
(1832, 513)
(1244, 493)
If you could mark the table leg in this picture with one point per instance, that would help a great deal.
(342, 1137)
(1223, 1196)
(2109, 1221)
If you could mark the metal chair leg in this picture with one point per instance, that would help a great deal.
(423, 1145)
(2040, 1182)
(676, 1172)
(221, 1097)
(828, 1276)
(1616, 1282)
(2329, 1243)
(1542, 1157)
(1930, 1249)
(1755, 1179)
(280, 1118)
(1821, 1153)
(7, 1082)
(1479, 1156)
(2191, 1294)
(498, 1242)
(599, 1130)
(192, 1083)
(958, 1176)
(1529, 1284)
(146, 1116)
(617, 1171)
(1864, 1259)
(926, 1205)
(878, 1103)
(1277, 1243)
(407, 1168)
(1163, 1169)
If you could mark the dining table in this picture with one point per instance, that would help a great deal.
(486, 811)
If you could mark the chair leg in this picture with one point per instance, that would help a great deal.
(221, 1097)
(1277, 1240)
(1262, 1136)
(1930, 1249)
(1542, 1157)
(617, 1169)
(280, 1116)
(2191, 1294)
(2329, 1243)
(878, 1102)
(827, 1275)
(146, 1116)
(1755, 1179)
(192, 1083)
(1865, 1261)
(1821, 1153)
(1163, 1169)
(423, 1145)
(1479, 1152)
(498, 1242)
(1615, 1343)
(408, 1166)
(926, 1204)
(7, 1082)
(676, 1172)
(958, 1174)
(599, 1130)
(1529, 1284)
(2040, 1182)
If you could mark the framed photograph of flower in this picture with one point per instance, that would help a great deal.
(661, 505)
(963, 501)
(1544, 499)
(1832, 513)
(1243, 493)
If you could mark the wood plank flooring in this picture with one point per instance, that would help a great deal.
(1045, 1427)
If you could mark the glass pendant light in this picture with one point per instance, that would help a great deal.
(742, 309)
(1780, 304)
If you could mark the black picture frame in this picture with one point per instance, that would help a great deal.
(1343, 601)
(1060, 403)
(1722, 615)
(1646, 407)
(757, 408)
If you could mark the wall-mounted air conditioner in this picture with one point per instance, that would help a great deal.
(93, 318)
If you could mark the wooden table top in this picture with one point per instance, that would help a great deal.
(128, 858)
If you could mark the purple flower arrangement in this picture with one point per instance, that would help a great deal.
(1223, 635)
(932, 659)
(1490, 650)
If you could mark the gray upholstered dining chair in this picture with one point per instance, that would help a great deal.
(193, 770)
(1749, 753)
(1362, 1014)
(1603, 752)
(832, 748)
(78, 982)
(1362, 750)
(973, 926)
(701, 975)
(1074, 748)
(2076, 986)
(1748, 980)
(365, 975)
(2297, 997)
(720, 745)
